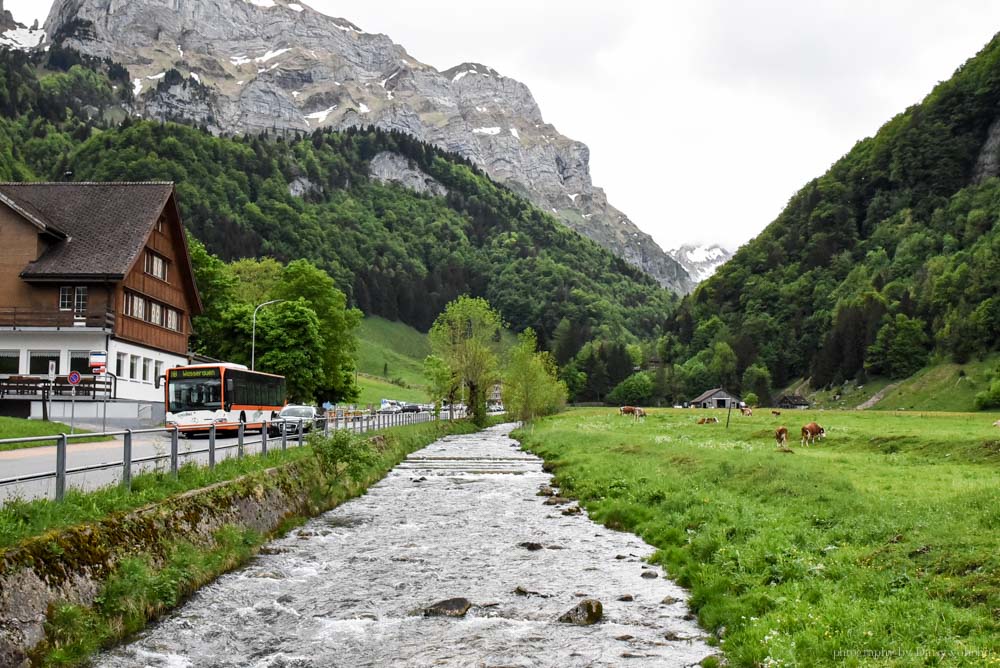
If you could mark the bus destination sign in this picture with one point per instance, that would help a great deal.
(180, 374)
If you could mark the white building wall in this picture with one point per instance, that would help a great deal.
(136, 380)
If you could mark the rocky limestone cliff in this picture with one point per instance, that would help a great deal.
(278, 65)
(392, 168)
(7, 21)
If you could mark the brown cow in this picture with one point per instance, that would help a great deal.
(748, 412)
(781, 436)
(811, 432)
(708, 420)
(775, 413)
(626, 410)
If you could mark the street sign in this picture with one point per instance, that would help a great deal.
(98, 358)
(73, 378)
(52, 370)
(99, 370)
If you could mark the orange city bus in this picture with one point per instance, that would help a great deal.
(222, 394)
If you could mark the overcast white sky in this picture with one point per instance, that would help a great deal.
(703, 116)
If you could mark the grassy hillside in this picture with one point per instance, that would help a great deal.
(945, 386)
(888, 260)
(876, 547)
(393, 347)
(374, 390)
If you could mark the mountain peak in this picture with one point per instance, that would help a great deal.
(701, 261)
(279, 66)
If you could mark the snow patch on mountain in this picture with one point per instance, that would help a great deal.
(700, 261)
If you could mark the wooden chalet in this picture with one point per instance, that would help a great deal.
(93, 267)
(791, 401)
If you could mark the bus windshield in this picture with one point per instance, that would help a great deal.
(194, 394)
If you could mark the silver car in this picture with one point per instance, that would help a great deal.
(291, 418)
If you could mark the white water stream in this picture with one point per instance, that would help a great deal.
(448, 522)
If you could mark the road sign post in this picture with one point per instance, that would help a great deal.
(73, 379)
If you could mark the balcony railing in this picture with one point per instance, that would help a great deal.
(90, 387)
(12, 316)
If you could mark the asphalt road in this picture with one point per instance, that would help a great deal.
(18, 463)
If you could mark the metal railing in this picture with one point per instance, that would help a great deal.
(283, 432)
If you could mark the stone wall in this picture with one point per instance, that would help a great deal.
(70, 565)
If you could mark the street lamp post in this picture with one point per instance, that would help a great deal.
(253, 334)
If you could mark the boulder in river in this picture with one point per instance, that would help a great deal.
(452, 607)
(586, 612)
(650, 575)
(530, 546)
(555, 501)
(545, 490)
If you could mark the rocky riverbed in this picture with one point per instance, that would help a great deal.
(461, 556)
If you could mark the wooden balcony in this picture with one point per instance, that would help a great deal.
(21, 318)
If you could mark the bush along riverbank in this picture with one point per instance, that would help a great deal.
(71, 591)
(875, 547)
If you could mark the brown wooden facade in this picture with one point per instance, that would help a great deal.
(165, 240)
(27, 302)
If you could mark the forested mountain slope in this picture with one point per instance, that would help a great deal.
(889, 257)
(396, 253)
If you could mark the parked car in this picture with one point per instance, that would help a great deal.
(410, 408)
(390, 407)
(291, 417)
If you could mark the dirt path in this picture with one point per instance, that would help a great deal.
(877, 397)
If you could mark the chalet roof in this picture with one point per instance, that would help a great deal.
(705, 395)
(793, 400)
(100, 228)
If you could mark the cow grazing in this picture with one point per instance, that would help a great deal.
(640, 414)
(997, 423)
(811, 432)
(708, 420)
(781, 436)
(748, 412)
(626, 410)
(775, 413)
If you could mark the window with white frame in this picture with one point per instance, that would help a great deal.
(133, 367)
(79, 361)
(80, 301)
(156, 313)
(38, 361)
(173, 319)
(147, 370)
(122, 363)
(156, 265)
(66, 298)
(157, 369)
(10, 361)
(135, 305)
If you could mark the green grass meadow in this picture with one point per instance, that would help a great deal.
(880, 546)
(18, 428)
